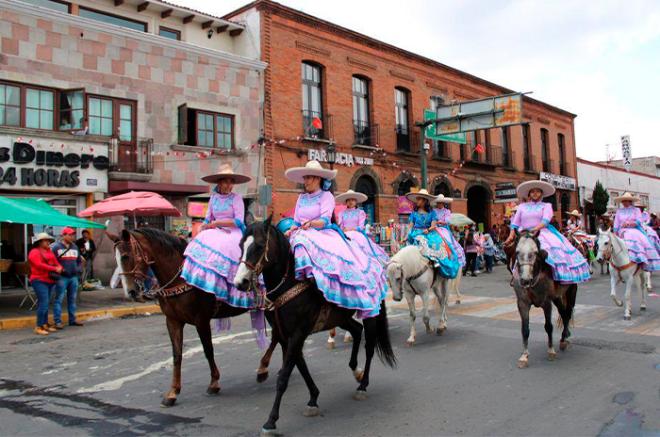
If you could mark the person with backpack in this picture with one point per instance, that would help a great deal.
(68, 255)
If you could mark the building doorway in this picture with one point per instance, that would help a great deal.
(478, 205)
(366, 185)
(442, 188)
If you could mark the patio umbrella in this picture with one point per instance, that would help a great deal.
(458, 219)
(142, 203)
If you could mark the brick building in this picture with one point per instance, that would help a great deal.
(367, 96)
(157, 94)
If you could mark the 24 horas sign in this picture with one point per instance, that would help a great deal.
(38, 165)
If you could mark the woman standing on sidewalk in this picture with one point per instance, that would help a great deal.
(44, 274)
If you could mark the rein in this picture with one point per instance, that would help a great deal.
(608, 254)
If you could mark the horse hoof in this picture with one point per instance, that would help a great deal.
(458, 302)
(261, 377)
(523, 364)
(617, 302)
(552, 356)
(348, 339)
(168, 402)
(410, 343)
(360, 395)
(358, 374)
(563, 345)
(642, 308)
(269, 432)
(311, 411)
(627, 317)
(440, 330)
(331, 345)
(213, 390)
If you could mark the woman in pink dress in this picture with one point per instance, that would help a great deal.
(442, 216)
(628, 224)
(568, 265)
(342, 270)
(353, 220)
(646, 224)
(212, 258)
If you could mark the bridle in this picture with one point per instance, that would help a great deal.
(609, 251)
(257, 268)
(535, 270)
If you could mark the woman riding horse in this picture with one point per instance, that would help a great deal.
(568, 265)
(628, 224)
(442, 216)
(646, 224)
(345, 274)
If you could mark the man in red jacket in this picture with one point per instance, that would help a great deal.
(43, 266)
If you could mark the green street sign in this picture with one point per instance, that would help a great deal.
(429, 133)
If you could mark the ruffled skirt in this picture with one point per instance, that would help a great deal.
(448, 237)
(368, 246)
(568, 264)
(642, 248)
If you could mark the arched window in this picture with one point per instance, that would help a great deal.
(366, 185)
(405, 186)
(545, 155)
(562, 150)
(401, 103)
(312, 100)
(442, 188)
(361, 114)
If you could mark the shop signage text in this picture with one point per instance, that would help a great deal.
(558, 181)
(34, 168)
(340, 158)
(505, 192)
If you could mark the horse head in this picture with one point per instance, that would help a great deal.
(133, 258)
(260, 251)
(395, 279)
(604, 246)
(529, 258)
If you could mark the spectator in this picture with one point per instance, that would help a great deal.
(494, 233)
(43, 270)
(489, 252)
(68, 255)
(87, 249)
(471, 247)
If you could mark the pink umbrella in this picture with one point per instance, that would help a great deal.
(142, 203)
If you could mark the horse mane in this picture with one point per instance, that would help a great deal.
(410, 258)
(163, 240)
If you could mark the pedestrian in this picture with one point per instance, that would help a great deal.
(69, 257)
(44, 272)
(489, 252)
(471, 250)
(87, 249)
(494, 233)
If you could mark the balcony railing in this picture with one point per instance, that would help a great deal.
(365, 134)
(311, 127)
(132, 159)
(490, 158)
(403, 138)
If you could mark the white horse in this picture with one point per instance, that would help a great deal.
(411, 274)
(613, 250)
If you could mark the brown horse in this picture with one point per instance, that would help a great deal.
(182, 304)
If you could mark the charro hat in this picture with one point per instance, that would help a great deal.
(226, 172)
(524, 188)
(312, 168)
(350, 194)
(626, 196)
(442, 199)
(575, 213)
(421, 193)
(43, 236)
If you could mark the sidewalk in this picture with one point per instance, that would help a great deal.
(96, 304)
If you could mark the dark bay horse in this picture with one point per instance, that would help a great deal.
(534, 285)
(145, 248)
(299, 309)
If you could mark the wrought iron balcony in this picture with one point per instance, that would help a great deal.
(403, 138)
(311, 127)
(365, 134)
(132, 158)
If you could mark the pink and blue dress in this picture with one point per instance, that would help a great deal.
(352, 222)
(642, 247)
(344, 273)
(568, 265)
(432, 245)
(442, 217)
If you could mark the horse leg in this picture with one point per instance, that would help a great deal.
(348, 337)
(262, 371)
(425, 311)
(613, 281)
(566, 314)
(627, 309)
(410, 298)
(355, 328)
(175, 329)
(441, 295)
(331, 338)
(370, 332)
(644, 288)
(293, 353)
(312, 406)
(204, 332)
(547, 312)
(523, 309)
(456, 285)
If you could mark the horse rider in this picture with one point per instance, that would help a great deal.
(432, 245)
(352, 221)
(568, 265)
(574, 222)
(646, 224)
(344, 273)
(628, 225)
(442, 217)
(213, 256)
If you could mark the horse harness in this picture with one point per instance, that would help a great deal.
(417, 275)
(619, 269)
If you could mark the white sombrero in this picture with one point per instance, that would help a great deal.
(524, 188)
(226, 172)
(350, 194)
(575, 213)
(626, 196)
(42, 236)
(312, 168)
(421, 193)
(442, 199)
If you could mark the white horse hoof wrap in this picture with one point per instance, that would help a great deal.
(360, 395)
(311, 411)
(523, 363)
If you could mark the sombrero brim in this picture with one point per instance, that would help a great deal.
(237, 178)
(524, 188)
(622, 198)
(360, 197)
(414, 196)
(574, 214)
(443, 200)
(297, 174)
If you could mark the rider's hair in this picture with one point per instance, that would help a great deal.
(427, 206)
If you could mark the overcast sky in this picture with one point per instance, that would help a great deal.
(599, 59)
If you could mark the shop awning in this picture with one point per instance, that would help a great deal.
(38, 212)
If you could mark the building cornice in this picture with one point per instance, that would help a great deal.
(96, 26)
(611, 167)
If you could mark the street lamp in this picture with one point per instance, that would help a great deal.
(331, 153)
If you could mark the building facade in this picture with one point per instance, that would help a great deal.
(331, 92)
(646, 164)
(113, 96)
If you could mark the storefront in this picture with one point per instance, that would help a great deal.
(561, 200)
(66, 171)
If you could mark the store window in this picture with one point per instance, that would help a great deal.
(10, 105)
(112, 19)
(39, 108)
(72, 109)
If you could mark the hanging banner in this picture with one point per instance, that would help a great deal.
(626, 152)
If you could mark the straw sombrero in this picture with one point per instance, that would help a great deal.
(312, 168)
(421, 193)
(524, 188)
(575, 213)
(226, 172)
(442, 199)
(626, 196)
(42, 236)
(350, 194)
(639, 204)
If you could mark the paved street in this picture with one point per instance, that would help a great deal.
(108, 377)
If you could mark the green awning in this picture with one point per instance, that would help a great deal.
(39, 212)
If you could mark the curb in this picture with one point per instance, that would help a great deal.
(102, 313)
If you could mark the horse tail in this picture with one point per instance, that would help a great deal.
(383, 344)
